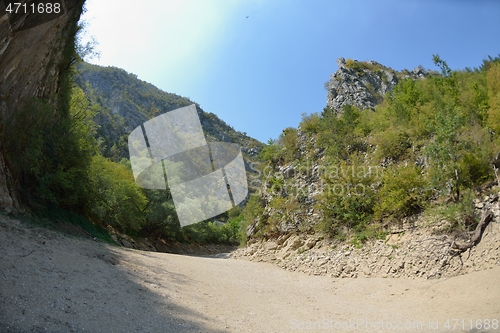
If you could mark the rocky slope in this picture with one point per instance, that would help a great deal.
(415, 246)
(125, 102)
(416, 250)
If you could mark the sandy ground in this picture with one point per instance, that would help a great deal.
(54, 283)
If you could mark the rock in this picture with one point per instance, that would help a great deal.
(283, 238)
(364, 85)
(126, 243)
(321, 262)
(250, 250)
(289, 172)
(295, 244)
(348, 269)
(270, 246)
(310, 243)
(27, 72)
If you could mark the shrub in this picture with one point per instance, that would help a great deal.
(208, 232)
(392, 143)
(403, 100)
(49, 153)
(270, 152)
(493, 84)
(253, 208)
(348, 198)
(310, 123)
(403, 192)
(290, 141)
(459, 215)
(474, 168)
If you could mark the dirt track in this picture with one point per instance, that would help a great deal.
(54, 283)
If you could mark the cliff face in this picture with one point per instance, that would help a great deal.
(364, 84)
(35, 56)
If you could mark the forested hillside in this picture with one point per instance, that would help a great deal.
(125, 102)
(429, 146)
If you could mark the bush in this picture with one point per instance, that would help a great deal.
(49, 153)
(391, 144)
(254, 211)
(160, 220)
(474, 169)
(208, 232)
(338, 132)
(270, 152)
(403, 192)
(348, 198)
(459, 215)
(290, 142)
(404, 100)
(493, 84)
(310, 123)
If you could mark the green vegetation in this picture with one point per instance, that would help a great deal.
(60, 165)
(360, 66)
(403, 192)
(429, 141)
(459, 215)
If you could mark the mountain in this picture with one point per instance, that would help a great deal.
(126, 102)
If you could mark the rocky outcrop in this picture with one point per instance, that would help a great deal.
(364, 84)
(34, 55)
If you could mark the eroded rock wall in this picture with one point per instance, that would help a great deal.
(35, 54)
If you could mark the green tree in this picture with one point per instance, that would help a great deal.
(116, 199)
(446, 147)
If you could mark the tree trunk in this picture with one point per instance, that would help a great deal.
(476, 234)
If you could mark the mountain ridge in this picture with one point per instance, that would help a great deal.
(127, 102)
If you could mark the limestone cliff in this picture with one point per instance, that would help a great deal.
(364, 84)
(35, 55)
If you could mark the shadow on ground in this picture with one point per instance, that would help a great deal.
(50, 282)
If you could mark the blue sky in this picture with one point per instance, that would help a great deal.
(259, 74)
